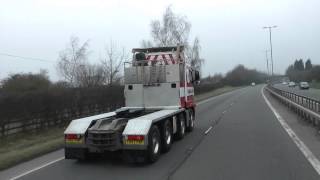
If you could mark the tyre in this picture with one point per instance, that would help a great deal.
(166, 136)
(181, 126)
(154, 145)
(191, 119)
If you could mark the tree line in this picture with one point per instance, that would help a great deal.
(238, 76)
(303, 71)
(76, 70)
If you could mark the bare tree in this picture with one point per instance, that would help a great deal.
(71, 59)
(112, 63)
(193, 55)
(174, 29)
(91, 75)
(146, 44)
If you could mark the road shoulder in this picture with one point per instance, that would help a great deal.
(307, 133)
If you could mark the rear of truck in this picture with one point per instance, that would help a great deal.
(158, 104)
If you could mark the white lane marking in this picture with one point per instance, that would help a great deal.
(224, 112)
(303, 148)
(208, 130)
(37, 168)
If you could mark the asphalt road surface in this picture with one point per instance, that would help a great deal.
(312, 93)
(246, 142)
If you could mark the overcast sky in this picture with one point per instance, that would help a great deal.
(230, 31)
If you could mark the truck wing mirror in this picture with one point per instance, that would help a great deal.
(197, 76)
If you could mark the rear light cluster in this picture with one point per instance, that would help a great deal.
(135, 137)
(72, 136)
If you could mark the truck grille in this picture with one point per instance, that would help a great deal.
(103, 139)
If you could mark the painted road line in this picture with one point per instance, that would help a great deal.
(303, 148)
(208, 130)
(224, 112)
(37, 168)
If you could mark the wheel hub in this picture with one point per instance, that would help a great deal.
(155, 145)
(192, 121)
(182, 127)
(168, 137)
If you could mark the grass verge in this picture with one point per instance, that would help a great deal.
(315, 85)
(22, 147)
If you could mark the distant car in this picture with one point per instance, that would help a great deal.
(253, 84)
(284, 83)
(292, 84)
(304, 85)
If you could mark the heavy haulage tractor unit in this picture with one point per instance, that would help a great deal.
(159, 106)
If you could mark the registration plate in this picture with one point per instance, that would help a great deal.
(134, 142)
(74, 141)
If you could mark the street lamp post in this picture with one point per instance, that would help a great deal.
(270, 27)
(268, 71)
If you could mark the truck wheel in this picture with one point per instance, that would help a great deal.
(154, 145)
(191, 123)
(166, 136)
(181, 126)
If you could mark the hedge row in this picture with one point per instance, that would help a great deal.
(57, 106)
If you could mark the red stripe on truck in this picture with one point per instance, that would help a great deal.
(189, 103)
(189, 84)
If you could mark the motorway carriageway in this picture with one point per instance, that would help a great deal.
(237, 136)
(312, 93)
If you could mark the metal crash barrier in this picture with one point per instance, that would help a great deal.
(306, 107)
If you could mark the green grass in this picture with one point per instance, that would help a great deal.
(25, 146)
(22, 147)
(315, 84)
